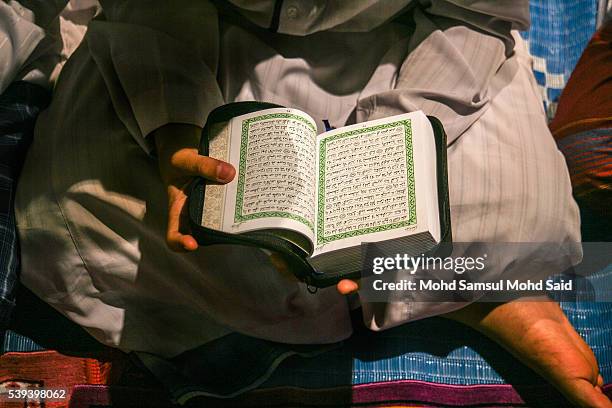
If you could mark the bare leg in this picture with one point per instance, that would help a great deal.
(538, 334)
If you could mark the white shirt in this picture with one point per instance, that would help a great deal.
(90, 205)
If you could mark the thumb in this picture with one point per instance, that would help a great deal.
(189, 163)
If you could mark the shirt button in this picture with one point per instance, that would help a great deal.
(292, 12)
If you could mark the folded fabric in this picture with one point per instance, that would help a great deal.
(583, 127)
(586, 101)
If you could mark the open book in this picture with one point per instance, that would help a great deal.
(318, 197)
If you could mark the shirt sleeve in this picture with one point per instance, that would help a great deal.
(456, 50)
(159, 62)
(496, 18)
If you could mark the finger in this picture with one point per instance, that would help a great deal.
(176, 240)
(189, 162)
(347, 286)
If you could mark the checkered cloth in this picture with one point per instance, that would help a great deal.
(19, 106)
(559, 32)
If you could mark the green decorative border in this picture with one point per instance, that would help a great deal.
(321, 239)
(244, 143)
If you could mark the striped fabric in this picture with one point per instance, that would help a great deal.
(48, 370)
(589, 156)
(393, 394)
(18, 343)
(583, 125)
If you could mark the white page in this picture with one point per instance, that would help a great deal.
(274, 185)
(428, 146)
(383, 205)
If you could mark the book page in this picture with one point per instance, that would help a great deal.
(366, 183)
(214, 202)
(274, 154)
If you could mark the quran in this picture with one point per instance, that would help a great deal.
(316, 198)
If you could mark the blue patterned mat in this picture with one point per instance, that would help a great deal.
(558, 34)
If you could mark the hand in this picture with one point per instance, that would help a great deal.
(179, 161)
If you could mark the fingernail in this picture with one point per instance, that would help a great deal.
(225, 172)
